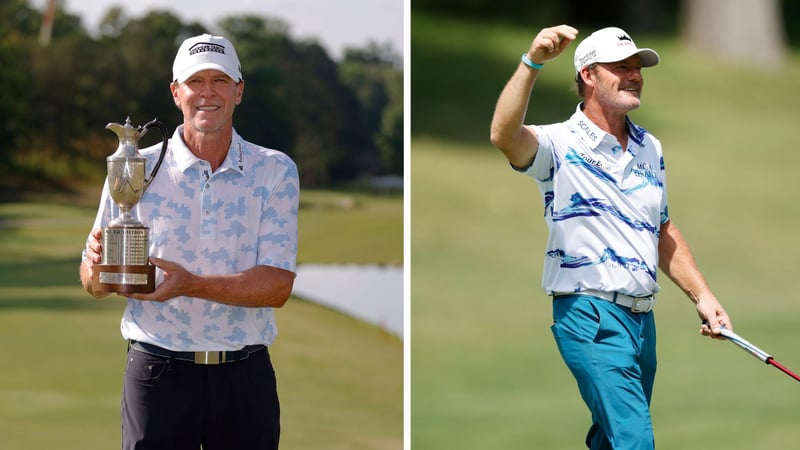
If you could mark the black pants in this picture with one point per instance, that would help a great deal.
(178, 405)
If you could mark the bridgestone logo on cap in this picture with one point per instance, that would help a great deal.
(201, 47)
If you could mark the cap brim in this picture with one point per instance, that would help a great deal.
(648, 57)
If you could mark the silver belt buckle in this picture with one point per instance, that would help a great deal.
(207, 358)
(642, 304)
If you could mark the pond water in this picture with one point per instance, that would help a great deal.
(370, 293)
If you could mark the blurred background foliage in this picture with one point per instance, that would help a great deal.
(660, 17)
(456, 74)
(340, 120)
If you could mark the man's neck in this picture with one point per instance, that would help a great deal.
(613, 123)
(211, 147)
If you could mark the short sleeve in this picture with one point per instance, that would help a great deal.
(277, 237)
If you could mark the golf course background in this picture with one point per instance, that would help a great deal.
(485, 372)
(340, 380)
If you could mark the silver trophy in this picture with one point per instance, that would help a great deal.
(125, 266)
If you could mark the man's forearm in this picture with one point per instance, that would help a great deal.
(259, 286)
(509, 113)
(508, 132)
(678, 263)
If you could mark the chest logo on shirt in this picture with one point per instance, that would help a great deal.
(592, 165)
(593, 161)
(644, 170)
(647, 176)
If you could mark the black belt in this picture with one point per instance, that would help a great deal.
(205, 358)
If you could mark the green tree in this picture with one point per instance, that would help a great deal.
(299, 106)
(56, 73)
(265, 115)
(371, 74)
(147, 48)
(296, 98)
(17, 28)
(390, 136)
(326, 112)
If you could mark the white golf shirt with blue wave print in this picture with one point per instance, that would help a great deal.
(228, 221)
(603, 207)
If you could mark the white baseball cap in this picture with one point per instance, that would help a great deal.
(206, 52)
(611, 44)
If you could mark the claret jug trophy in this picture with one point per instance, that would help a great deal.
(125, 266)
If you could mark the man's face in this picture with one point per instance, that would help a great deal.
(207, 100)
(618, 85)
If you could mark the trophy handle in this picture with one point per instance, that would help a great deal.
(165, 141)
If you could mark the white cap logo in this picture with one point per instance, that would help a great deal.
(206, 47)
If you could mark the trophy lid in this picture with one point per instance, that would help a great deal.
(128, 140)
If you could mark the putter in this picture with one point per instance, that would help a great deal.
(755, 351)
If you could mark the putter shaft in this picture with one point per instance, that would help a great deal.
(761, 355)
(783, 369)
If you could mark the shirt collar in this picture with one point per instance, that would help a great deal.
(592, 135)
(587, 131)
(184, 158)
(636, 132)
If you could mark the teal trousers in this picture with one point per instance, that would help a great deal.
(611, 351)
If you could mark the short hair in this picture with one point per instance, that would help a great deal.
(579, 84)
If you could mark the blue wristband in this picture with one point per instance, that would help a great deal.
(530, 63)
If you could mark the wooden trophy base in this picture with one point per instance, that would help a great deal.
(124, 279)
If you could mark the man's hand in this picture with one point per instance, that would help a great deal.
(94, 251)
(259, 286)
(550, 42)
(713, 316)
(176, 282)
(94, 247)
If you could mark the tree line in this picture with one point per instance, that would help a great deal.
(340, 121)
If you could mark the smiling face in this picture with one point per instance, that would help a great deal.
(207, 100)
(617, 86)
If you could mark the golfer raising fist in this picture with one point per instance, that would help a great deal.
(603, 182)
(550, 42)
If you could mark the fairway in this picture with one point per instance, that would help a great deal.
(485, 369)
(340, 380)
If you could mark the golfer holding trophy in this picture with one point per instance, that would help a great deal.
(220, 236)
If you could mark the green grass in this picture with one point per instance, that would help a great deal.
(351, 227)
(340, 380)
(485, 371)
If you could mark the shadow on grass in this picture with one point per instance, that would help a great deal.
(47, 284)
(56, 302)
(41, 273)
